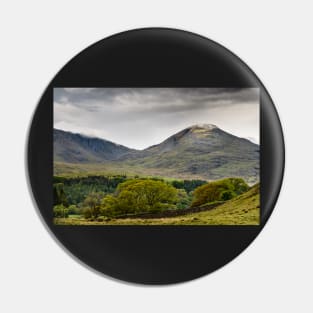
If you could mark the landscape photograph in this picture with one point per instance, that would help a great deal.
(156, 156)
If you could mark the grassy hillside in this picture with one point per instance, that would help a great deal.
(121, 168)
(113, 169)
(242, 210)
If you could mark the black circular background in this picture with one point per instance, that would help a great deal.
(154, 57)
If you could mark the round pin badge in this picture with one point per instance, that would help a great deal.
(155, 156)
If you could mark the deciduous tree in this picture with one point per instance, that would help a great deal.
(140, 195)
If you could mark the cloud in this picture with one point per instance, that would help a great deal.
(140, 117)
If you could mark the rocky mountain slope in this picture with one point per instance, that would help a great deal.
(77, 148)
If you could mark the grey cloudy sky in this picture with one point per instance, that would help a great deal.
(141, 117)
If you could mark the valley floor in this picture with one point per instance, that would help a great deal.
(242, 210)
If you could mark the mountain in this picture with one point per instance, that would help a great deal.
(77, 148)
(201, 151)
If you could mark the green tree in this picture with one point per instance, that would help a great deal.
(188, 185)
(183, 199)
(140, 195)
(78, 188)
(59, 196)
(60, 211)
(73, 209)
(92, 204)
(220, 190)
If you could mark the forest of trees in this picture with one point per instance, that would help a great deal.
(95, 197)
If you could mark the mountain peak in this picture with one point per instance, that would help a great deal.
(203, 127)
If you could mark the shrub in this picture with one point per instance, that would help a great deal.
(220, 190)
(60, 211)
(73, 209)
(183, 199)
(92, 204)
(87, 213)
(227, 195)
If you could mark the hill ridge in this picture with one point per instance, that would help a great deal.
(201, 151)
